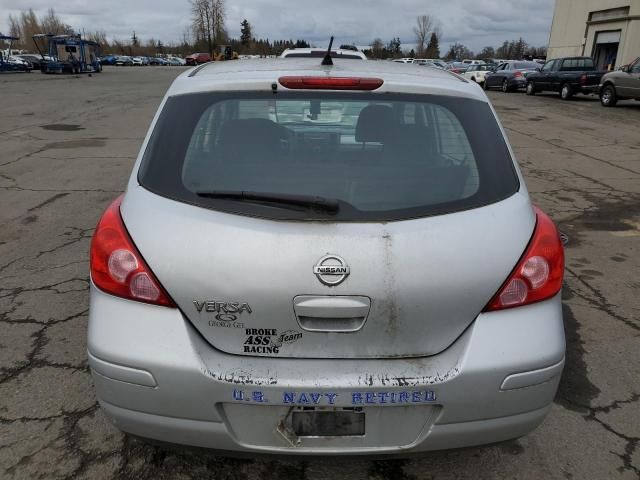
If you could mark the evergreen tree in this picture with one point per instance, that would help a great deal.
(433, 48)
(394, 46)
(246, 34)
(519, 49)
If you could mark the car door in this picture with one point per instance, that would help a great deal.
(556, 72)
(471, 71)
(507, 72)
(498, 75)
(542, 79)
(628, 82)
(635, 78)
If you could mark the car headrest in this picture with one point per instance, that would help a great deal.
(250, 135)
(375, 124)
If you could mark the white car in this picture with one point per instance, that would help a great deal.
(473, 62)
(176, 60)
(404, 60)
(477, 73)
(328, 260)
(17, 60)
(321, 52)
(428, 62)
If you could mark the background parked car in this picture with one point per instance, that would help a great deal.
(154, 61)
(36, 61)
(175, 61)
(16, 60)
(511, 75)
(478, 72)
(457, 67)
(622, 84)
(124, 61)
(108, 60)
(198, 58)
(566, 76)
(427, 62)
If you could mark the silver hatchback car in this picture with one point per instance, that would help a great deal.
(325, 260)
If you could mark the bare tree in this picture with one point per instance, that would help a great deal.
(29, 26)
(100, 37)
(51, 23)
(208, 22)
(14, 26)
(425, 24)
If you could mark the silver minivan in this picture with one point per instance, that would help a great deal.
(325, 260)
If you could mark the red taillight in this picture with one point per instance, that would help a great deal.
(330, 83)
(116, 265)
(538, 275)
(583, 79)
(518, 74)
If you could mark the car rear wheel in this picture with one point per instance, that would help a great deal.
(486, 84)
(608, 96)
(505, 85)
(565, 92)
(531, 88)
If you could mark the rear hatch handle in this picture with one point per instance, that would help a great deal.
(337, 313)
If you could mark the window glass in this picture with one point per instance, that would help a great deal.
(548, 66)
(385, 158)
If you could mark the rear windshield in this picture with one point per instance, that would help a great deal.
(578, 64)
(525, 65)
(380, 157)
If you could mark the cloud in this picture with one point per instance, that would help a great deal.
(475, 23)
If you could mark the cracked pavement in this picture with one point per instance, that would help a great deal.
(67, 146)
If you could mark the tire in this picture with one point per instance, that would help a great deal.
(486, 84)
(531, 88)
(608, 97)
(505, 86)
(565, 91)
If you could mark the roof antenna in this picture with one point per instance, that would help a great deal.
(327, 58)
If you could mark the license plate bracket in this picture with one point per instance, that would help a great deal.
(328, 423)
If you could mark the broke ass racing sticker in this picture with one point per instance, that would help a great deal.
(268, 340)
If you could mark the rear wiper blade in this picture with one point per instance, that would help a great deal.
(307, 201)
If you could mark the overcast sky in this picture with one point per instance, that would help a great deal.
(475, 23)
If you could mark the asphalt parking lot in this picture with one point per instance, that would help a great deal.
(67, 145)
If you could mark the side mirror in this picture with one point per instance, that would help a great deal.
(626, 68)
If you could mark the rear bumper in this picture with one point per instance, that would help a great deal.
(589, 89)
(518, 83)
(157, 378)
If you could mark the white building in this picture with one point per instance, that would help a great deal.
(607, 30)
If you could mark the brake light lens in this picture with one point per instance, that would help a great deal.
(538, 275)
(583, 79)
(117, 267)
(518, 74)
(330, 83)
